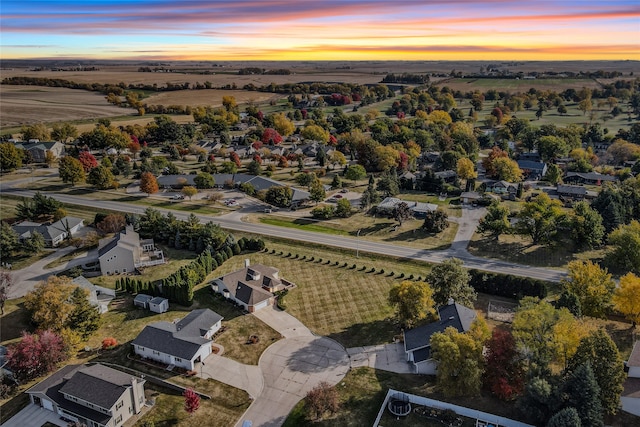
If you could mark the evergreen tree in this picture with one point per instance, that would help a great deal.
(568, 417)
(583, 393)
(599, 350)
(85, 317)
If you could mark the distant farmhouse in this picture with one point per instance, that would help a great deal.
(252, 287)
(125, 252)
(53, 233)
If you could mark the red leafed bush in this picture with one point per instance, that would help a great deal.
(271, 136)
(109, 343)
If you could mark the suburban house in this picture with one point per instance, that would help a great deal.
(183, 343)
(533, 170)
(591, 178)
(449, 176)
(94, 395)
(630, 397)
(176, 181)
(98, 296)
(470, 197)
(419, 209)
(53, 233)
(575, 192)
(259, 183)
(501, 187)
(417, 341)
(252, 287)
(125, 252)
(39, 150)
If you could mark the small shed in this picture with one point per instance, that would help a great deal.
(142, 300)
(159, 305)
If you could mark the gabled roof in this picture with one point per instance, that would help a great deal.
(243, 287)
(634, 358)
(182, 339)
(528, 164)
(571, 189)
(142, 298)
(97, 384)
(456, 315)
(49, 232)
(591, 176)
(128, 237)
(259, 183)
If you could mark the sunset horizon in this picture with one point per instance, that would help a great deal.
(349, 30)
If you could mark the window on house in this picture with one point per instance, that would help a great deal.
(178, 359)
(119, 405)
(119, 419)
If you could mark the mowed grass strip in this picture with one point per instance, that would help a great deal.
(349, 305)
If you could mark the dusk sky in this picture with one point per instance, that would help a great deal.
(321, 29)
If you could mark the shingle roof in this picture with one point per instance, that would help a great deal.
(243, 287)
(97, 384)
(591, 176)
(49, 232)
(634, 358)
(456, 315)
(182, 339)
(529, 164)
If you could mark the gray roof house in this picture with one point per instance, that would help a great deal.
(501, 187)
(94, 395)
(417, 341)
(575, 192)
(176, 181)
(533, 170)
(183, 343)
(419, 209)
(98, 296)
(592, 178)
(125, 253)
(53, 233)
(259, 183)
(39, 150)
(251, 287)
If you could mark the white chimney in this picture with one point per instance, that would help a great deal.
(247, 263)
(450, 302)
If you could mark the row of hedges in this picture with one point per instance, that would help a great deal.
(178, 287)
(506, 285)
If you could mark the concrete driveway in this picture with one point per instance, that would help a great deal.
(34, 416)
(386, 357)
(291, 367)
(236, 374)
(283, 322)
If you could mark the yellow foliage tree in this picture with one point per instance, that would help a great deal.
(413, 301)
(466, 169)
(626, 298)
(568, 331)
(283, 125)
(50, 303)
(592, 285)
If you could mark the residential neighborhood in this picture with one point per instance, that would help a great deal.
(420, 248)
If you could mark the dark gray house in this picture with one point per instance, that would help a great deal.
(417, 341)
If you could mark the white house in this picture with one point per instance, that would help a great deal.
(98, 296)
(96, 395)
(417, 343)
(125, 252)
(159, 305)
(630, 397)
(252, 287)
(183, 343)
(39, 150)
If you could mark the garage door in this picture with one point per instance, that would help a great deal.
(46, 404)
(260, 305)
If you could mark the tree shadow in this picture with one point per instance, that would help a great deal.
(365, 334)
(375, 228)
(14, 323)
(317, 356)
(207, 298)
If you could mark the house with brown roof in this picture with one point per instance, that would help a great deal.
(251, 287)
(94, 395)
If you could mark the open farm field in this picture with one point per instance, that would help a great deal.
(514, 86)
(213, 97)
(31, 104)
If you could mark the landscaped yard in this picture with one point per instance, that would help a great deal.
(379, 229)
(519, 249)
(347, 304)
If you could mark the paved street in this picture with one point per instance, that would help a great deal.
(232, 222)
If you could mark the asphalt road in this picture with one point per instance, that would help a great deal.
(233, 222)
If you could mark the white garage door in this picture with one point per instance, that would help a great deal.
(46, 404)
(260, 305)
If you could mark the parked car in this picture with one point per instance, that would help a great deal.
(267, 210)
(344, 190)
(178, 197)
(332, 200)
(338, 196)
